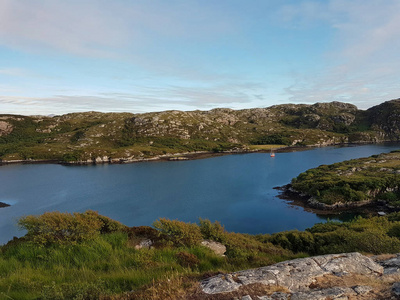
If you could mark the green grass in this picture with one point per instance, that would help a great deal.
(266, 147)
(108, 265)
(47, 265)
(28, 268)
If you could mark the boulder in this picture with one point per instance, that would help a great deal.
(218, 248)
(144, 244)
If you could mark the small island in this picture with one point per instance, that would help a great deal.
(2, 204)
(372, 181)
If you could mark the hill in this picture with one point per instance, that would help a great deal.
(119, 137)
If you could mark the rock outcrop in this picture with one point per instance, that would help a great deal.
(325, 277)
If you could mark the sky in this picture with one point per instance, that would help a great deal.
(138, 56)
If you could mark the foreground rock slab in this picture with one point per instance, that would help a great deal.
(334, 276)
(295, 275)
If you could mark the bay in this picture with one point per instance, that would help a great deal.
(236, 190)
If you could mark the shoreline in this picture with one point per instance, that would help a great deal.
(300, 200)
(165, 157)
(178, 156)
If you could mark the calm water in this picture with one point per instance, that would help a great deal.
(236, 190)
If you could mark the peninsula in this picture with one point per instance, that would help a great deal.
(373, 180)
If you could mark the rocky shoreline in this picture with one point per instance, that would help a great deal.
(311, 204)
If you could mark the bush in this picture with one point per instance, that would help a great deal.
(296, 241)
(178, 232)
(212, 231)
(56, 227)
(109, 225)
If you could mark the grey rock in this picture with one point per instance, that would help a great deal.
(247, 297)
(218, 248)
(275, 296)
(391, 271)
(391, 266)
(147, 243)
(392, 262)
(337, 293)
(349, 263)
(295, 275)
(220, 284)
(396, 288)
(362, 289)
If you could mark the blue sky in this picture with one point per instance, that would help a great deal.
(137, 56)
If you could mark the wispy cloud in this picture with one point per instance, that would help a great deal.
(101, 28)
(145, 99)
(363, 66)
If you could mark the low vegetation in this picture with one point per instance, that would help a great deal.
(89, 256)
(366, 179)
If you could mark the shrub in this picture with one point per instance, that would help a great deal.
(296, 241)
(109, 225)
(178, 232)
(325, 227)
(394, 231)
(56, 227)
(212, 231)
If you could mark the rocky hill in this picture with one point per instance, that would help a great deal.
(117, 137)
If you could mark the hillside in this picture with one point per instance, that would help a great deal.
(118, 137)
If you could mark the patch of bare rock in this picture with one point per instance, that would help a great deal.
(5, 128)
(347, 276)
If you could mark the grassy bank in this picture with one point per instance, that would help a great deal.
(88, 256)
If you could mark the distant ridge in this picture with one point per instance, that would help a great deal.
(120, 137)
